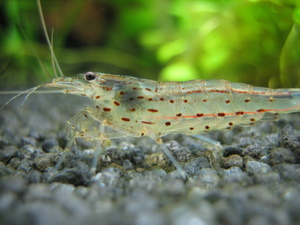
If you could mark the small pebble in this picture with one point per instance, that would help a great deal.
(282, 155)
(195, 165)
(182, 154)
(254, 167)
(127, 165)
(28, 141)
(234, 175)
(232, 150)
(289, 172)
(49, 144)
(209, 177)
(8, 152)
(157, 160)
(43, 161)
(233, 160)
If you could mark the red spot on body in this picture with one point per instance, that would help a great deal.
(148, 89)
(230, 124)
(221, 114)
(247, 100)
(271, 99)
(260, 110)
(107, 109)
(206, 127)
(116, 103)
(132, 109)
(167, 123)
(199, 114)
(204, 100)
(97, 97)
(185, 101)
(239, 113)
(108, 89)
(125, 119)
(245, 92)
(140, 97)
(146, 122)
(252, 119)
(150, 99)
(122, 93)
(219, 91)
(179, 114)
(196, 91)
(152, 110)
(171, 101)
(227, 101)
(134, 88)
(161, 99)
(191, 128)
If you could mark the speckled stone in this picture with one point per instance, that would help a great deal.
(43, 161)
(232, 160)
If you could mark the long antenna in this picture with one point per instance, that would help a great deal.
(55, 62)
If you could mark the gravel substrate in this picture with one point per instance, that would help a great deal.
(253, 179)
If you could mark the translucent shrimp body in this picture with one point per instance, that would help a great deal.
(141, 107)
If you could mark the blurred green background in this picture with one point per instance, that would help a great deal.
(251, 41)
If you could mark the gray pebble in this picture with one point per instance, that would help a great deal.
(172, 145)
(232, 160)
(267, 178)
(208, 177)
(182, 154)
(254, 167)
(7, 201)
(28, 141)
(195, 165)
(115, 155)
(4, 142)
(127, 165)
(16, 184)
(232, 150)
(8, 152)
(290, 172)
(255, 149)
(40, 192)
(157, 160)
(282, 155)
(49, 144)
(234, 175)
(43, 161)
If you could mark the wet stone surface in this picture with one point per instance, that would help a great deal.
(253, 179)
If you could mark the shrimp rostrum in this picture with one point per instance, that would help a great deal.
(140, 107)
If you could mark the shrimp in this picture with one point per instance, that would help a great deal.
(141, 107)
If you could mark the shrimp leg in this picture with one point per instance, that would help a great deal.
(82, 125)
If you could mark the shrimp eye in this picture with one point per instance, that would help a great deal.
(90, 76)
